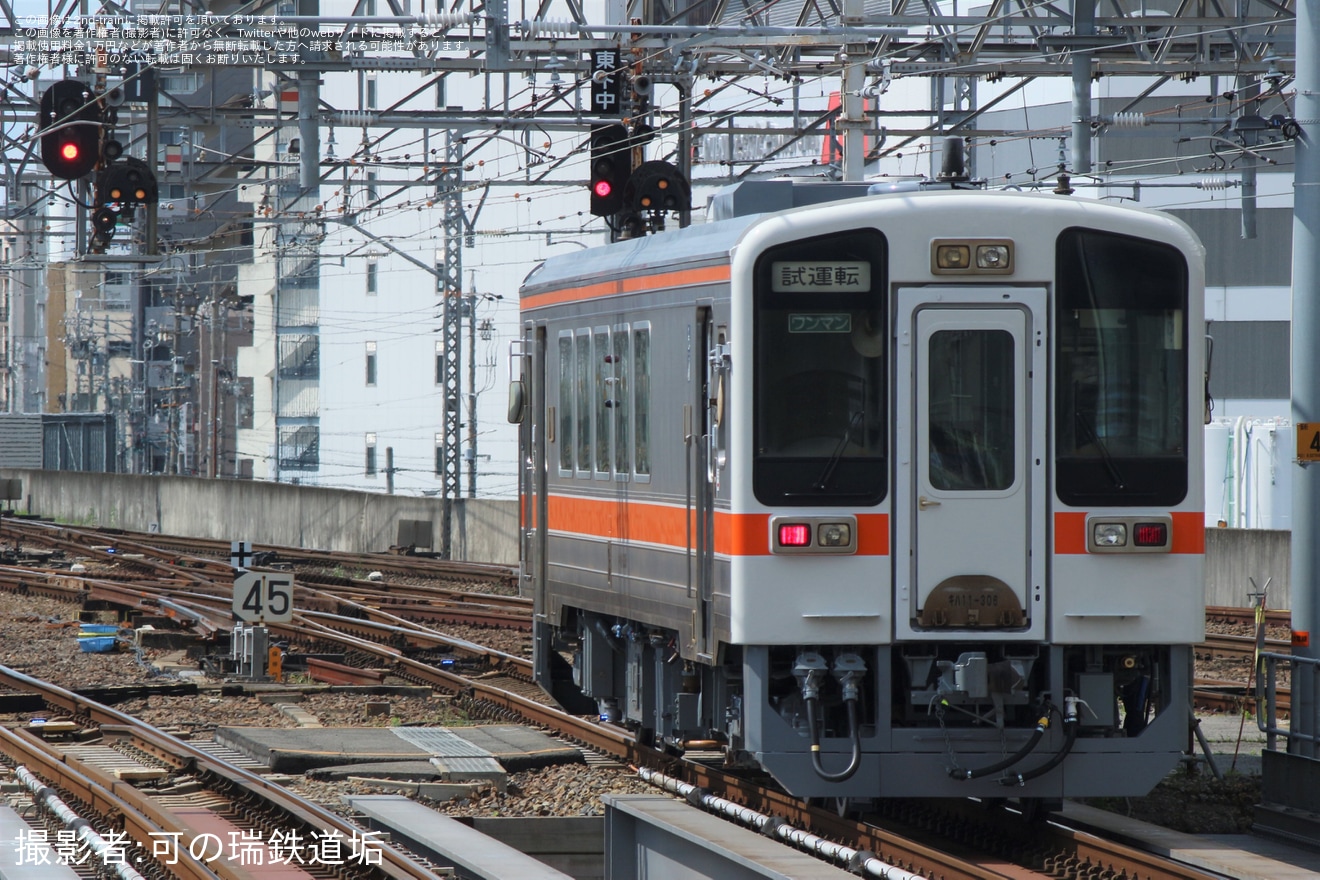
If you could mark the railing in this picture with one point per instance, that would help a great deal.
(1267, 698)
(301, 449)
(300, 357)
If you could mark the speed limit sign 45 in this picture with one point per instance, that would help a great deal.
(263, 597)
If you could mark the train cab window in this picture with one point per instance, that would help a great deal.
(1121, 393)
(820, 351)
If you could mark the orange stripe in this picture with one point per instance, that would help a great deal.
(626, 521)
(633, 284)
(736, 534)
(1188, 532)
(1069, 532)
(746, 534)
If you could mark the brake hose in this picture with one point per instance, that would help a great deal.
(1042, 724)
(854, 762)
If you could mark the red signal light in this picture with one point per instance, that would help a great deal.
(602, 189)
(69, 122)
(794, 535)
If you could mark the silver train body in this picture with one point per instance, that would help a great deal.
(896, 495)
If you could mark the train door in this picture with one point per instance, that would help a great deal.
(529, 366)
(969, 494)
(701, 482)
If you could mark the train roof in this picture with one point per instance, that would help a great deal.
(732, 210)
(711, 243)
(702, 244)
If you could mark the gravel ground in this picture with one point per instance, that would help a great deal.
(40, 638)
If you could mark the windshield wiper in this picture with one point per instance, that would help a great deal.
(830, 465)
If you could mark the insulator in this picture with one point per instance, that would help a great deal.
(1131, 119)
(445, 19)
(1214, 183)
(357, 117)
(551, 28)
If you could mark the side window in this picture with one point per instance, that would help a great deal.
(641, 360)
(601, 376)
(582, 402)
(566, 401)
(371, 363)
(620, 392)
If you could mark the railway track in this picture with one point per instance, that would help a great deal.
(498, 686)
(400, 562)
(154, 797)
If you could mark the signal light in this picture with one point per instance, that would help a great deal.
(70, 125)
(611, 163)
(119, 189)
(657, 187)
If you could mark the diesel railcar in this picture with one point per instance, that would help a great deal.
(889, 493)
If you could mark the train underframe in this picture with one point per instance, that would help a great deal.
(976, 717)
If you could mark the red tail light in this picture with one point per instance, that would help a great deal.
(794, 535)
(1150, 534)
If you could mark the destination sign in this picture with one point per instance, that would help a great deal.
(825, 276)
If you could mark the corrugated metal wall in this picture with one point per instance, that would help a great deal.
(58, 442)
(1251, 360)
(20, 440)
(1231, 260)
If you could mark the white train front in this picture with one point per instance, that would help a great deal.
(893, 495)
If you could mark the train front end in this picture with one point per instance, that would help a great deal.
(963, 458)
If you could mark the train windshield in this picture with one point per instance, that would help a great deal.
(1121, 352)
(820, 325)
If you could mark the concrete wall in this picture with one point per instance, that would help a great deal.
(1235, 557)
(265, 513)
(485, 530)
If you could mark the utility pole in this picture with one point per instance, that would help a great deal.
(1305, 587)
(451, 292)
(472, 387)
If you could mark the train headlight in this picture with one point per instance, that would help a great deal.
(991, 256)
(834, 534)
(1114, 533)
(1109, 535)
(971, 256)
(796, 535)
(952, 256)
